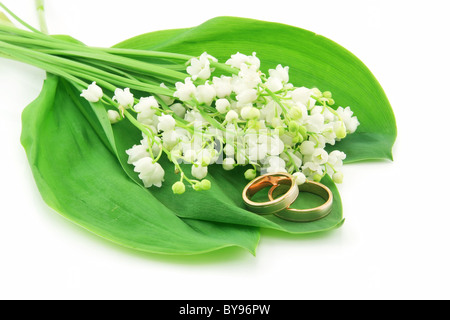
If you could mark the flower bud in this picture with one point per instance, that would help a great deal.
(197, 186)
(205, 184)
(341, 131)
(327, 94)
(228, 164)
(250, 113)
(222, 105)
(307, 148)
(317, 177)
(231, 116)
(113, 116)
(178, 187)
(338, 177)
(276, 122)
(295, 113)
(280, 130)
(299, 178)
(250, 174)
(206, 160)
(316, 93)
(293, 126)
(303, 132)
(298, 138)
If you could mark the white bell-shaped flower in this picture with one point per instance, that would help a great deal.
(238, 59)
(166, 99)
(274, 84)
(301, 95)
(146, 109)
(275, 146)
(351, 123)
(307, 148)
(178, 109)
(154, 144)
(151, 174)
(200, 67)
(228, 164)
(271, 112)
(136, 153)
(335, 158)
(315, 122)
(199, 70)
(222, 105)
(247, 96)
(254, 61)
(257, 151)
(113, 116)
(281, 73)
(222, 86)
(146, 104)
(231, 116)
(310, 169)
(320, 156)
(190, 155)
(199, 171)
(229, 150)
(250, 76)
(184, 91)
(124, 97)
(300, 178)
(166, 123)
(250, 112)
(205, 94)
(93, 93)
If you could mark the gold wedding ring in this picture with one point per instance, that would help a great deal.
(275, 180)
(304, 215)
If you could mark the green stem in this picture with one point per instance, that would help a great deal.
(275, 98)
(75, 50)
(41, 16)
(130, 64)
(26, 25)
(76, 67)
(42, 65)
(144, 53)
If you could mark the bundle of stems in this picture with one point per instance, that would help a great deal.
(111, 68)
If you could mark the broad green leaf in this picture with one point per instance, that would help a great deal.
(314, 61)
(80, 177)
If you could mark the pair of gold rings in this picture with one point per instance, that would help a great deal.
(282, 193)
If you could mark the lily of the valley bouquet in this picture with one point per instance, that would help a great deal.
(150, 143)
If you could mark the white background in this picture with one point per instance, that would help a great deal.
(395, 241)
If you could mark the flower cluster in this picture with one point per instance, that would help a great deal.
(244, 118)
